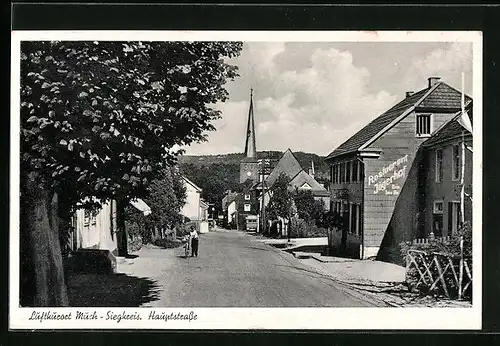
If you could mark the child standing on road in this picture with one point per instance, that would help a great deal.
(193, 235)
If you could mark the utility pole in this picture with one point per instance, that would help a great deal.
(263, 170)
(462, 171)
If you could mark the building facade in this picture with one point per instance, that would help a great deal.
(191, 208)
(96, 230)
(441, 169)
(374, 175)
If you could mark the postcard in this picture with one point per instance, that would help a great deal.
(230, 180)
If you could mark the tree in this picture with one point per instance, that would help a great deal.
(281, 201)
(167, 196)
(101, 119)
(329, 220)
(308, 209)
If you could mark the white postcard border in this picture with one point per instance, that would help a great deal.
(252, 318)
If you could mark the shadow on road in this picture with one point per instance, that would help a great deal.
(115, 290)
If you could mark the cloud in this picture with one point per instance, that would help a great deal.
(229, 137)
(312, 97)
(449, 62)
(316, 106)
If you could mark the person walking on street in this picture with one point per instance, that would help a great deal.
(193, 235)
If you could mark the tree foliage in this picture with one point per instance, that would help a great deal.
(308, 209)
(330, 219)
(166, 197)
(281, 201)
(102, 118)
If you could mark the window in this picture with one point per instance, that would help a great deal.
(346, 215)
(86, 217)
(247, 197)
(455, 165)
(439, 166)
(339, 207)
(89, 218)
(338, 173)
(453, 217)
(342, 169)
(354, 218)
(359, 219)
(423, 124)
(348, 171)
(438, 207)
(355, 170)
(437, 218)
(247, 207)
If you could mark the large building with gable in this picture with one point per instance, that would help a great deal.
(374, 175)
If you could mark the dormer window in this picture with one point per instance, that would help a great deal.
(423, 128)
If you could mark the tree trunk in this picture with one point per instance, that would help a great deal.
(41, 232)
(121, 232)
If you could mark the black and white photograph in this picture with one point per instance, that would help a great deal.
(243, 180)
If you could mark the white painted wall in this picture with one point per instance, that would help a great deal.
(230, 210)
(97, 232)
(204, 227)
(192, 207)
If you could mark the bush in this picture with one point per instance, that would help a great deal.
(184, 229)
(302, 229)
(168, 243)
(449, 248)
(134, 243)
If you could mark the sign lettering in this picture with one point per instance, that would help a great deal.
(382, 183)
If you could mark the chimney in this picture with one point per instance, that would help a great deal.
(433, 80)
(409, 93)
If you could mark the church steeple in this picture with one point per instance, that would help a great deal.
(249, 166)
(250, 148)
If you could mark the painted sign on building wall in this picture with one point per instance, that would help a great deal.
(386, 180)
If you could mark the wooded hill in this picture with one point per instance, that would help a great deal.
(215, 174)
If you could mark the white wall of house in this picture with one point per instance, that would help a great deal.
(231, 208)
(192, 207)
(97, 231)
(203, 212)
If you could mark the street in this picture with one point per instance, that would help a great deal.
(235, 270)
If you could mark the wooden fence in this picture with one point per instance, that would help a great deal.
(427, 240)
(452, 275)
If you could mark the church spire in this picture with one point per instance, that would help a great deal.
(250, 150)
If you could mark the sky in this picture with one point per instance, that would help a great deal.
(313, 96)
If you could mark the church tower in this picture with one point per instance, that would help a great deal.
(249, 168)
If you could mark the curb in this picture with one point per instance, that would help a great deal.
(346, 287)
